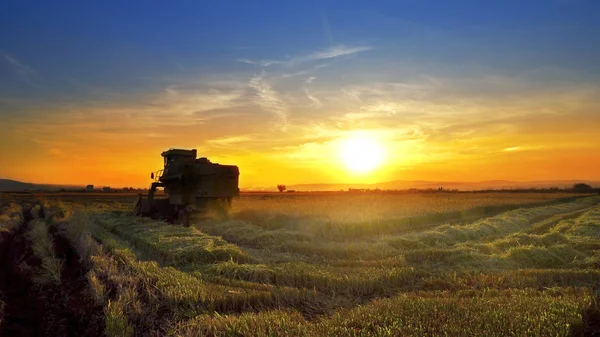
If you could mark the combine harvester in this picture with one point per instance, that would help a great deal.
(192, 186)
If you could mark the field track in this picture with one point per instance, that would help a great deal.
(526, 265)
(32, 309)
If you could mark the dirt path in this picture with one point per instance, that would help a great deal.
(49, 310)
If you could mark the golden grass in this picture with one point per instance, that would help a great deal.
(42, 246)
(469, 313)
(278, 268)
(368, 207)
(11, 217)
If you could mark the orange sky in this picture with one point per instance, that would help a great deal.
(542, 136)
(449, 100)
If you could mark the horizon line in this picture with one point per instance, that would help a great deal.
(596, 181)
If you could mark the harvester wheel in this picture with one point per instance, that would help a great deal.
(226, 207)
(184, 217)
(222, 207)
(137, 209)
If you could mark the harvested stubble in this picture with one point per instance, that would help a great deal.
(528, 271)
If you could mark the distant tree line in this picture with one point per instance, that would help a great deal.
(576, 188)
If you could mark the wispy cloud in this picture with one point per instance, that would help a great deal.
(228, 141)
(315, 101)
(527, 148)
(329, 53)
(513, 148)
(294, 74)
(325, 54)
(326, 28)
(189, 101)
(262, 63)
(267, 98)
(304, 72)
(22, 70)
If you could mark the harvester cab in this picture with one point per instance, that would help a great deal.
(191, 186)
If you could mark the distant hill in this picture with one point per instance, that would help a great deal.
(8, 185)
(449, 185)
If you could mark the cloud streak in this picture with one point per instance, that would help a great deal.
(332, 52)
(267, 98)
(227, 142)
(316, 103)
(20, 67)
(22, 70)
(325, 54)
(262, 63)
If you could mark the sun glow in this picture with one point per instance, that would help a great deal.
(361, 153)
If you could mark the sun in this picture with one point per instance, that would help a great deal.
(361, 153)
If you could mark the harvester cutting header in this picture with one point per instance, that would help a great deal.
(191, 186)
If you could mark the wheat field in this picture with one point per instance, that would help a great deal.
(318, 264)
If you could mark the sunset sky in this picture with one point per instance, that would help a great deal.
(93, 92)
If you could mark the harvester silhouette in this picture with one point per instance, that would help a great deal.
(192, 186)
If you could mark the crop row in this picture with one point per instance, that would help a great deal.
(489, 228)
(169, 244)
(560, 312)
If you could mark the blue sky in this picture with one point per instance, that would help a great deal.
(110, 43)
(316, 68)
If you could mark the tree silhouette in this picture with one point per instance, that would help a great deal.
(281, 188)
(582, 187)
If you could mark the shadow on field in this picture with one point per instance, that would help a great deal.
(33, 309)
(22, 314)
(590, 324)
